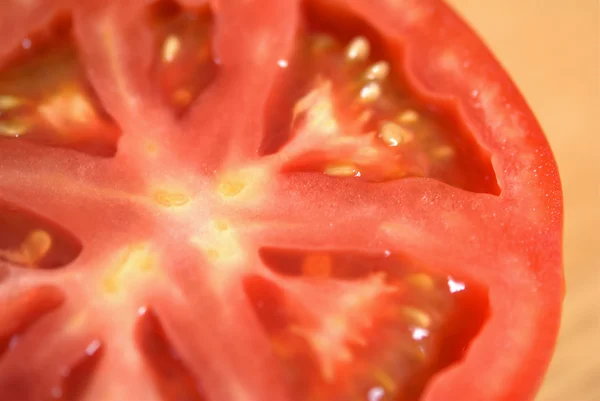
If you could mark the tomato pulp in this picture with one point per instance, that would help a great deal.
(269, 200)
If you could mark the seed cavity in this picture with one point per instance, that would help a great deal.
(359, 49)
(183, 64)
(344, 337)
(317, 265)
(370, 92)
(378, 71)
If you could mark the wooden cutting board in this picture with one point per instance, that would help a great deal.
(551, 49)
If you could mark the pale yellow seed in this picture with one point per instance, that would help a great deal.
(171, 47)
(421, 281)
(171, 199)
(36, 246)
(417, 316)
(408, 116)
(13, 128)
(378, 71)
(358, 49)
(8, 102)
(182, 97)
(443, 152)
(221, 225)
(322, 42)
(393, 134)
(341, 170)
(367, 153)
(365, 117)
(370, 92)
(232, 186)
(385, 380)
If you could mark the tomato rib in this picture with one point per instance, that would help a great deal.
(125, 359)
(171, 376)
(220, 362)
(248, 66)
(106, 34)
(382, 217)
(61, 184)
(35, 366)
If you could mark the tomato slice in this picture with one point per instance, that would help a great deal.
(242, 200)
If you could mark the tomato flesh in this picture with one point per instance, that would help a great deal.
(189, 211)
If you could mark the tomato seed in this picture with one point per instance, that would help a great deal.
(36, 246)
(171, 199)
(171, 47)
(378, 71)
(408, 116)
(358, 49)
(443, 152)
(393, 134)
(370, 92)
(13, 128)
(421, 281)
(342, 170)
(417, 316)
(322, 42)
(8, 102)
(182, 97)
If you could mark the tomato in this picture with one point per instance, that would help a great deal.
(269, 200)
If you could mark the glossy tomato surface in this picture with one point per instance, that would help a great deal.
(269, 200)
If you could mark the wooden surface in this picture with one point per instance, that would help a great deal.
(551, 49)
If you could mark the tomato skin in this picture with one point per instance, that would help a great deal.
(517, 252)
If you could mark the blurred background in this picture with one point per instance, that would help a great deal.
(551, 48)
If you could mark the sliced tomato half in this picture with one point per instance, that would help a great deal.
(269, 200)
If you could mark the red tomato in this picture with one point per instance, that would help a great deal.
(269, 200)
